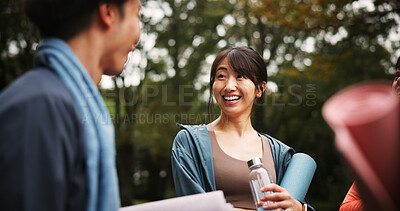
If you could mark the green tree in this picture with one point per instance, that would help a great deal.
(347, 49)
(18, 40)
(168, 91)
(312, 48)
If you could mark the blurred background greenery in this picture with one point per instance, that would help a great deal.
(313, 48)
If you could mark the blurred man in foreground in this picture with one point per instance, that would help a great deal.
(57, 149)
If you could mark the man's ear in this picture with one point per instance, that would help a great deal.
(107, 13)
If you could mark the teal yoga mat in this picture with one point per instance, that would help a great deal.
(298, 176)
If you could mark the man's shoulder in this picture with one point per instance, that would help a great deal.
(36, 102)
(33, 86)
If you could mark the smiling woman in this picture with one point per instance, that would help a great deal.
(237, 75)
(213, 156)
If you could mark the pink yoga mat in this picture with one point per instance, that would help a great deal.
(365, 119)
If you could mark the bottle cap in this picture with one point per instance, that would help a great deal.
(254, 161)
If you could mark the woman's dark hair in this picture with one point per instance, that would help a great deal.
(64, 18)
(244, 61)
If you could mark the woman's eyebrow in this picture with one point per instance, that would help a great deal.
(222, 68)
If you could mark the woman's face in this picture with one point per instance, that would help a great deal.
(234, 93)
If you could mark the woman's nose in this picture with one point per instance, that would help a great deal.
(230, 84)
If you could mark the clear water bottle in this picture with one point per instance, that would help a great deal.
(258, 178)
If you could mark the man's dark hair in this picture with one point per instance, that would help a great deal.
(63, 18)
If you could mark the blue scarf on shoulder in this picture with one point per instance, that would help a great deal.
(103, 194)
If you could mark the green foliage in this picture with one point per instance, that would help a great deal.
(349, 44)
(18, 39)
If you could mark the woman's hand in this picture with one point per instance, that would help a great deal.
(281, 198)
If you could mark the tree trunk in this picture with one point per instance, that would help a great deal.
(125, 158)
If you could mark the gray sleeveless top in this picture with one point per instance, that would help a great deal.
(231, 174)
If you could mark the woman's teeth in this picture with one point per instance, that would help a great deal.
(231, 98)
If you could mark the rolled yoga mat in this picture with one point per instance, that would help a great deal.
(298, 175)
(365, 119)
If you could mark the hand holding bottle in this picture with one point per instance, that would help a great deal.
(258, 178)
(281, 198)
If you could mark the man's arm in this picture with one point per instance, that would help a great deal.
(352, 201)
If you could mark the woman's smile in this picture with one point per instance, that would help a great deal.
(231, 99)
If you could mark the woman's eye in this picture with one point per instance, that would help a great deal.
(241, 76)
(220, 76)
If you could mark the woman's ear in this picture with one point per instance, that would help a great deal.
(261, 89)
(264, 86)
